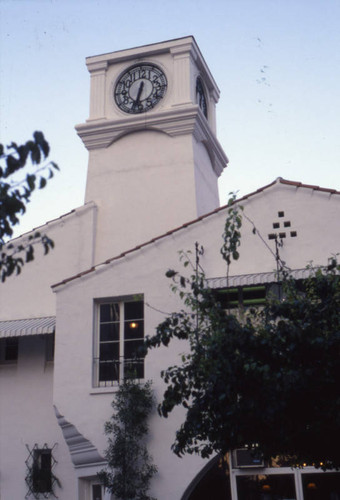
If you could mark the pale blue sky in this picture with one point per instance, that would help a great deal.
(276, 62)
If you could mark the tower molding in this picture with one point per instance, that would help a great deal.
(97, 134)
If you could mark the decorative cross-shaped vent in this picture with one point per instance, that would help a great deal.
(282, 224)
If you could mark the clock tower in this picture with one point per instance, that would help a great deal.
(154, 159)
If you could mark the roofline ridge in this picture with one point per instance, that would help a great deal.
(81, 208)
(278, 180)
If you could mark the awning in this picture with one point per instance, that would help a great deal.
(254, 279)
(24, 327)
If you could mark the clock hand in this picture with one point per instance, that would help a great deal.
(140, 90)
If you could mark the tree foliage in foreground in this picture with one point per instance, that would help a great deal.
(129, 469)
(269, 381)
(22, 171)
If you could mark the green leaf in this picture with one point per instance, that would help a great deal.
(42, 143)
(42, 183)
(29, 253)
(54, 165)
(170, 273)
(30, 179)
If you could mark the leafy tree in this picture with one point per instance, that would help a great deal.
(129, 468)
(15, 193)
(269, 381)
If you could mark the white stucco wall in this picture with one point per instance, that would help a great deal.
(26, 386)
(143, 185)
(313, 214)
(29, 295)
(207, 198)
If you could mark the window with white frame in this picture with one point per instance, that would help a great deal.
(120, 335)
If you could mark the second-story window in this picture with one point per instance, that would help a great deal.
(120, 337)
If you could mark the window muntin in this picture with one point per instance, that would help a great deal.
(120, 336)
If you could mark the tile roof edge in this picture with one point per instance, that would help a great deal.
(74, 211)
(279, 180)
(307, 186)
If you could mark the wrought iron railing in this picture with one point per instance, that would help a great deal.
(108, 373)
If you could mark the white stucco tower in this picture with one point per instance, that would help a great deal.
(154, 159)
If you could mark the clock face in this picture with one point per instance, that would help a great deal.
(140, 88)
(200, 97)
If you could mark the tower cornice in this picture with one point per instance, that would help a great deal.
(98, 134)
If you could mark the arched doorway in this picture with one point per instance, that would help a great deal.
(211, 482)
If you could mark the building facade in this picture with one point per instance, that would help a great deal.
(154, 162)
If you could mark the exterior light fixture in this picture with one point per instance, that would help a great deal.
(311, 486)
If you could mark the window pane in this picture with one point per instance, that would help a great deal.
(11, 349)
(321, 486)
(266, 487)
(108, 371)
(134, 369)
(46, 460)
(109, 312)
(229, 298)
(131, 348)
(109, 331)
(134, 329)
(253, 295)
(49, 351)
(134, 310)
(96, 492)
(41, 474)
(109, 351)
